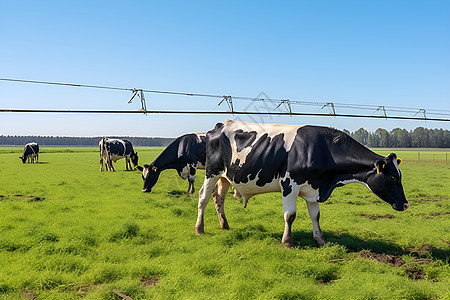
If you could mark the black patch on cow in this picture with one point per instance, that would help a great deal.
(218, 151)
(325, 156)
(128, 147)
(118, 148)
(266, 160)
(30, 149)
(287, 188)
(185, 150)
(244, 139)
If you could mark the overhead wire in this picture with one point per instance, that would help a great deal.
(375, 108)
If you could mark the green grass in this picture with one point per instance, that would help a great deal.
(69, 231)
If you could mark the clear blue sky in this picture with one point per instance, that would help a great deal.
(391, 53)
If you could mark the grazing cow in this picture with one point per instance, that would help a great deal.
(185, 154)
(30, 152)
(111, 150)
(306, 161)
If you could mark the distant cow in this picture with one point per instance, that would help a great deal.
(111, 150)
(185, 154)
(30, 153)
(305, 161)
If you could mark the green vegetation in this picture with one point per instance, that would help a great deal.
(69, 231)
(402, 138)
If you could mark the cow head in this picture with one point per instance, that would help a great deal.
(134, 159)
(385, 181)
(150, 175)
(23, 158)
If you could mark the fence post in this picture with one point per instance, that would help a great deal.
(418, 155)
(446, 164)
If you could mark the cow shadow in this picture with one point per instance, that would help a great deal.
(304, 239)
(43, 163)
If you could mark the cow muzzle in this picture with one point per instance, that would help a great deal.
(146, 190)
(401, 207)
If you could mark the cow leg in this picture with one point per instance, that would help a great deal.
(290, 212)
(111, 166)
(205, 192)
(191, 189)
(219, 201)
(127, 162)
(236, 195)
(191, 178)
(314, 213)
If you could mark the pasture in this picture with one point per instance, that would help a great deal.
(69, 231)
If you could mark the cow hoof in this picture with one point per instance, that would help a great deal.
(288, 245)
(199, 230)
(321, 243)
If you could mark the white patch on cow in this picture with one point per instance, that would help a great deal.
(344, 182)
(308, 193)
(396, 166)
(184, 172)
(250, 188)
(272, 130)
(145, 172)
(199, 135)
(115, 157)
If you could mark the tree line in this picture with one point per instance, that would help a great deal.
(79, 141)
(381, 138)
(402, 138)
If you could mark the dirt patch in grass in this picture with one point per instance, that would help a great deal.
(375, 217)
(438, 214)
(445, 241)
(148, 282)
(83, 289)
(31, 198)
(396, 261)
(424, 250)
(28, 295)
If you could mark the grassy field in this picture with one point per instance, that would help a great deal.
(69, 231)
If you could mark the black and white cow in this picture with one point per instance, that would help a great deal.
(185, 154)
(305, 161)
(111, 150)
(30, 153)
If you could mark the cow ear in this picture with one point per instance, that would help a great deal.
(380, 164)
(399, 161)
(155, 169)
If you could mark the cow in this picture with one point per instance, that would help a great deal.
(185, 154)
(111, 150)
(30, 153)
(306, 161)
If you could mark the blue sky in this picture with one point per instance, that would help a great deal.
(391, 53)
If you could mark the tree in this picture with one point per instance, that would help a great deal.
(383, 137)
(361, 135)
(399, 138)
(419, 137)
